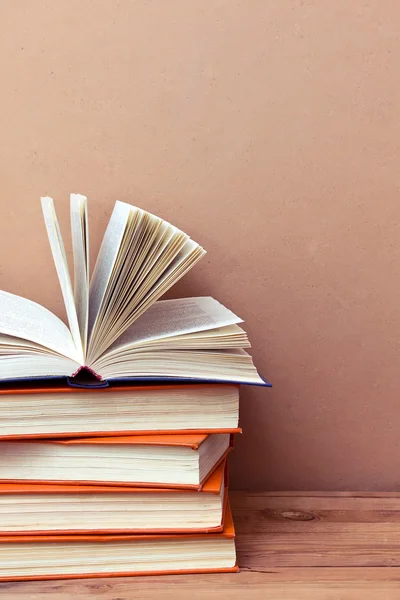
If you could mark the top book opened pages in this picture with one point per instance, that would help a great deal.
(117, 326)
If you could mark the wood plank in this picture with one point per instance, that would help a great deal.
(321, 527)
(327, 574)
(258, 551)
(314, 494)
(275, 520)
(311, 517)
(257, 586)
(313, 503)
(267, 514)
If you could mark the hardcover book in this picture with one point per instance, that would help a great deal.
(160, 461)
(53, 412)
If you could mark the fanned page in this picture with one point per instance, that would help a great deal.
(105, 262)
(61, 263)
(80, 248)
(141, 257)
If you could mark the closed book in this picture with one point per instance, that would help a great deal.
(66, 411)
(182, 461)
(80, 556)
(43, 509)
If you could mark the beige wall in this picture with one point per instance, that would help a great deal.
(267, 130)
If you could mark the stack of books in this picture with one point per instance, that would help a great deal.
(115, 431)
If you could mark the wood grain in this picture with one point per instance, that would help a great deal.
(290, 547)
(231, 587)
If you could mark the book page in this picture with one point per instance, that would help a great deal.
(60, 261)
(233, 365)
(106, 259)
(25, 319)
(141, 257)
(27, 366)
(184, 260)
(80, 248)
(168, 318)
(162, 278)
(221, 338)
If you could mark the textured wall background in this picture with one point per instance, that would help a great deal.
(267, 130)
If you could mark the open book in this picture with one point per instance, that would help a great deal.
(117, 326)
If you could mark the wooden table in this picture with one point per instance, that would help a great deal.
(300, 546)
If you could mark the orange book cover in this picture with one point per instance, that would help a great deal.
(33, 389)
(212, 485)
(228, 532)
(193, 441)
